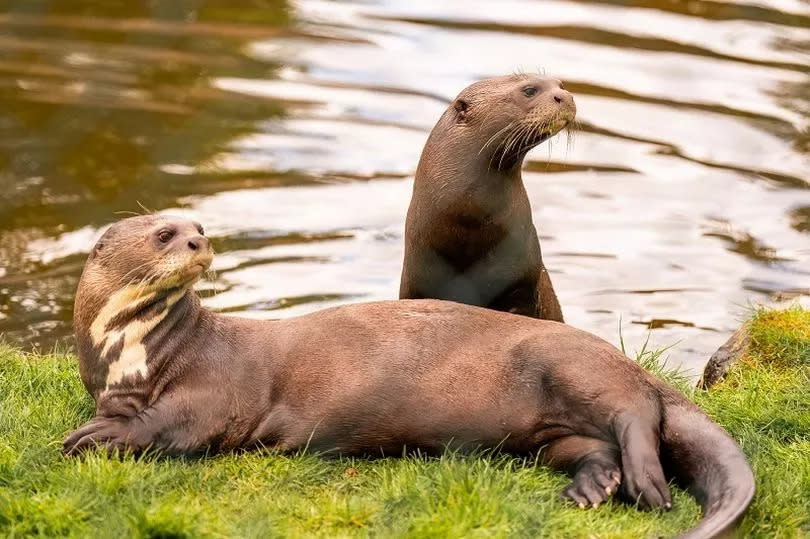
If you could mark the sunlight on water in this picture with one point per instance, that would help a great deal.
(292, 132)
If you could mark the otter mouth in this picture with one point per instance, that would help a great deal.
(546, 131)
(180, 275)
(523, 136)
(197, 266)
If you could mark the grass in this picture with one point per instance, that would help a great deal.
(764, 402)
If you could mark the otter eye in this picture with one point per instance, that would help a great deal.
(165, 236)
(530, 91)
(562, 86)
(200, 230)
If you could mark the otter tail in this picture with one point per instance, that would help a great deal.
(709, 464)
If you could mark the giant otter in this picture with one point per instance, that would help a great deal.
(374, 378)
(469, 235)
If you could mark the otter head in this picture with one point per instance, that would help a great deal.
(139, 269)
(149, 253)
(508, 116)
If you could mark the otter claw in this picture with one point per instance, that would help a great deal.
(591, 485)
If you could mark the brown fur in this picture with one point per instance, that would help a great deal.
(469, 235)
(375, 378)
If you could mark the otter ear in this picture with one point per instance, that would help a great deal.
(462, 107)
(97, 249)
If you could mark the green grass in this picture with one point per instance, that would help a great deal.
(765, 403)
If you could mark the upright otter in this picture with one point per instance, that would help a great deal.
(469, 235)
(376, 378)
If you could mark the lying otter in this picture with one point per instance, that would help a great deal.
(375, 378)
(469, 235)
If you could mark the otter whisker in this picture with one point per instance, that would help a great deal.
(525, 140)
(502, 148)
(501, 144)
(508, 146)
(535, 127)
(136, 268)
(517, 143)
(152, 277)
(141, 286)
(211, 275)
(495, 150)
(551, 121)
(507, 140)
(493, 137)
(519, 133)
(517, 140)
(144, 208)
(530, 133)
(136, 283)
(520, 136)
(569, 139)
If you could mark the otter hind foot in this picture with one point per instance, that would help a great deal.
(644, 481)
(594, 483)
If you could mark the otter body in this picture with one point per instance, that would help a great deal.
(375, 378)
(335, 382)
(469, 235)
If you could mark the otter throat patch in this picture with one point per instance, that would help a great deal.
(132, 358)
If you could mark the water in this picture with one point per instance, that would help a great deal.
(292, 130)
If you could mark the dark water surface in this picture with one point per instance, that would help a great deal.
(292, 130)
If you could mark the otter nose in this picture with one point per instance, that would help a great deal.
(198, 243)
(562, 96)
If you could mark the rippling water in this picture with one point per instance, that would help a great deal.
(292, 130)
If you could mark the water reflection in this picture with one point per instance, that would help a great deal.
(292, 132)
(101, 102)
(95, 109)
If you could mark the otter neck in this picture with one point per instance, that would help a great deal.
(481, 182)
(133, 339)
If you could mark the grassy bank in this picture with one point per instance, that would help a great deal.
(765, 404)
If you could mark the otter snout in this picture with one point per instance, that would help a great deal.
(201, 253)
(199, 243)
(190, 254)
(563, 97)
(565, 101)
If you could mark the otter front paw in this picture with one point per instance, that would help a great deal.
(593, 483)
(100, 432)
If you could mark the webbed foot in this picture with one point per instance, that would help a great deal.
(594, 483)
